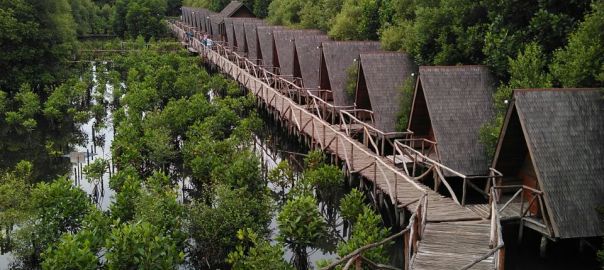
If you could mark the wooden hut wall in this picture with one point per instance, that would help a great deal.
(251, 38)
(381, 76)
(308, 53)
(240, 35)
(459, 101)
(285, 44)
(230, 33)
(267, 44)
(338, 56)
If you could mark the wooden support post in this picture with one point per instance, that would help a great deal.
(406, 250)
(463, 194)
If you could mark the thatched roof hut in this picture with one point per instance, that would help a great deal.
(284, 42)
(381, 77)
(450, 105)
(336, 58)
(267, 44)
(251, 38)
(552, 140)
(308, 56)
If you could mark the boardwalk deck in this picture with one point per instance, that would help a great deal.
(452, 245)
(401, 189)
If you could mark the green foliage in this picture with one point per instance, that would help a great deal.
(36, 36)
(15, 186)
(407, 90)
(367, 229)
(352, 76)
(141, 245)
(351, 206)
(300, 226)
(214, 228)
(324, 178)
(314, 159)
(71, 254)
(255, 253)
(96, 169)
(53, 209)
(358, 20)
(140, 17)
(128, 195)
(282, 176)
(300, 223)
(527, 71)
(581, 62)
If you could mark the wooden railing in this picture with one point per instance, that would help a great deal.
(528, 197)
(418, 151)
(375, 139)
(411, 234)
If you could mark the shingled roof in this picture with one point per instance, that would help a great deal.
(285, 40)
(338, 56)
(230, 33)
(308, 53)
(251, 37)
(240, 35)
(214, 22)
(458, 101)
(564, 134)
(267, 44)
(233, 8)
(381, 76)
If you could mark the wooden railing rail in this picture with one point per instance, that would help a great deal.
(408, 148)
(411, 234)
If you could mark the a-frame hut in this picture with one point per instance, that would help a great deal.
(251, 39)
(381, 77)
(336, 58)
(268, 49)
(234, 9)
(285, 44)
(307, 59)
(450, 105)
(551, 141)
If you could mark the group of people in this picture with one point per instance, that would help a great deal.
(206, 41)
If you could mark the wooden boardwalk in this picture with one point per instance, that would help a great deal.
(442, 215)
(452, 245)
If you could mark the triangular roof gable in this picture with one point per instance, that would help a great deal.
(236, 9)
(285, 44)
(459, 103)
(308, 52)
(564, 130)
(338, 56)
(251, 37)
(383, 74)
(267, 44)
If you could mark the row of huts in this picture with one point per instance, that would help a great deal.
(551, 141)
